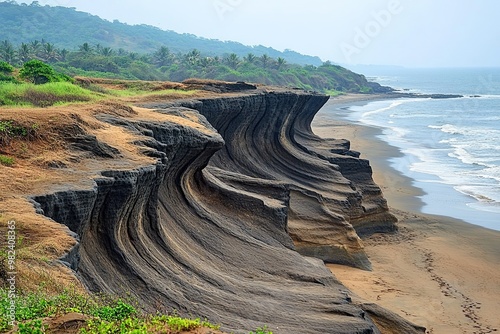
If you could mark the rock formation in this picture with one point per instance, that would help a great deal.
(208, 229)
(333, 199)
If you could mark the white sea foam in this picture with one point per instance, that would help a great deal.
(414, 115)
(380, 110)
(463, 155)
(468, 130)
(451, 147)
(479, 192)
(492, 173)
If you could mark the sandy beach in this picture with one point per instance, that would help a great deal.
(438, 272)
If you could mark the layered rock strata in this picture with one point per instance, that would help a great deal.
(206, 230)
(333, 199)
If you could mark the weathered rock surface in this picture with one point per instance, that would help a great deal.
(333, 199)
(206, 230)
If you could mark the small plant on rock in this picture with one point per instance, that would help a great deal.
(262, 330)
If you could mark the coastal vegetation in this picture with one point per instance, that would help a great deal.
(36, 312)
(103, 49)
(37, 84)
(69, 28)
(164, 65)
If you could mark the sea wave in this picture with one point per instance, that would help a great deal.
(449, 144)
(475, 132)
(479, 192)
(380, 110)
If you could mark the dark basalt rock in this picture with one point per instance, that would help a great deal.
(207, 229)
(424, 96)
(91, 145)
(333, 199)
(219, 86)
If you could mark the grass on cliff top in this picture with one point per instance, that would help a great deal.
(132, 88)
(49, 94)
(333, 92)
(37, 312)
(61, 93)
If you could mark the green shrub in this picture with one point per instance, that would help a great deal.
(151, 324)
(7, 78)
(119, 311)
(44, 95)
(37, 72)
(10, 129)
(6, 161)
(182, 324)
(6, 68)
(31, 327)
(6, 72)
(107, 314)
(262, 330)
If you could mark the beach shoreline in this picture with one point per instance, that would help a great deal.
(438, 272)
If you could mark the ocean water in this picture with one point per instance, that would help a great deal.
(451, 147)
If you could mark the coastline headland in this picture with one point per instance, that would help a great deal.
(208, 206)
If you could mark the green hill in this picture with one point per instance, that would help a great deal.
(77, 43)
(69, 28)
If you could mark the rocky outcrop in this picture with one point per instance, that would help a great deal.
(208, 229)
(333, 199)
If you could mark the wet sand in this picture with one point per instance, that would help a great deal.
(438, 272)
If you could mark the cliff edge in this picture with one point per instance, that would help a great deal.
(207, 215)
(333, 199)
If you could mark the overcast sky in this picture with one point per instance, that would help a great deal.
(423, 33)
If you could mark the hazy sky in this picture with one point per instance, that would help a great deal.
(396, 32)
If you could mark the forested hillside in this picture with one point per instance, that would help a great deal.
(68, 28)
(76, 43)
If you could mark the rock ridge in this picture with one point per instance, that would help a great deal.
(212, 229)
(333, 199)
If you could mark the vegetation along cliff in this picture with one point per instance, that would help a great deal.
(77, 43)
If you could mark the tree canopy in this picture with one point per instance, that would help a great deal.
(68, 28)
(97, 60)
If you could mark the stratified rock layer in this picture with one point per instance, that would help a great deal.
(333, 199)
(215, 241)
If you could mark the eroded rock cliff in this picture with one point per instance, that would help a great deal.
(212, 228)
(333, 199)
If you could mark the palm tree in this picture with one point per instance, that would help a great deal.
(232, 60)
(281, 62)
(24, 53)
(162, 57)
(265, 60)
(106, 51)
(7, 52)
(49, 53)
(192, 57)
(98, 48)
(85, 48)
(35, 47)
(207, 62)
(250, 58)
(133, 55)
(64, 53)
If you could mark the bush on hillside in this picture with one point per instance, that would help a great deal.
(39, 73)
(6, 71)
(6, 68)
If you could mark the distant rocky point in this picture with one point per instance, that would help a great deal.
(425, 96)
